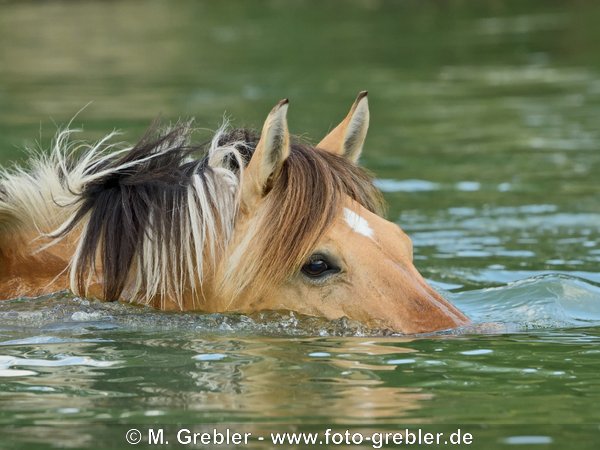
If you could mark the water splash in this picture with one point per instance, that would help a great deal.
(63, 312)
(545, 301)
(548, 301)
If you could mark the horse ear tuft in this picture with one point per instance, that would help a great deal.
(348, 137)
(272, 150)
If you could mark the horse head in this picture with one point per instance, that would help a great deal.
(309, 236)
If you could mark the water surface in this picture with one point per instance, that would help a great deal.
(484, 138)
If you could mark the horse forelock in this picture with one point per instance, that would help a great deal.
(301, 203)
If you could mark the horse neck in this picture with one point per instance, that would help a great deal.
(25, 270)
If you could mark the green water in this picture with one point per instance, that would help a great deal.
(484, 137)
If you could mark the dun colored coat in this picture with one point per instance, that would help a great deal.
(255, 223)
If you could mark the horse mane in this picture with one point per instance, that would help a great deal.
(157, 218)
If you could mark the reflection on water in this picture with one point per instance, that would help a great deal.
(99, 372)
(271, 377)
(133, 376)
(484, 138)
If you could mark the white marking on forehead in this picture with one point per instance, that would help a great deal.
(357, 223)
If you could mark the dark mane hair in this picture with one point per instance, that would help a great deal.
(134, 193)
(154, 210)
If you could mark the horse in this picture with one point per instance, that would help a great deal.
(244, 223)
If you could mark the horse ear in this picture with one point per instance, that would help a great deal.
(348, 137)
(272, 150)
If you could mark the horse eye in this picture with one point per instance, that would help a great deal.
(318, 267)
